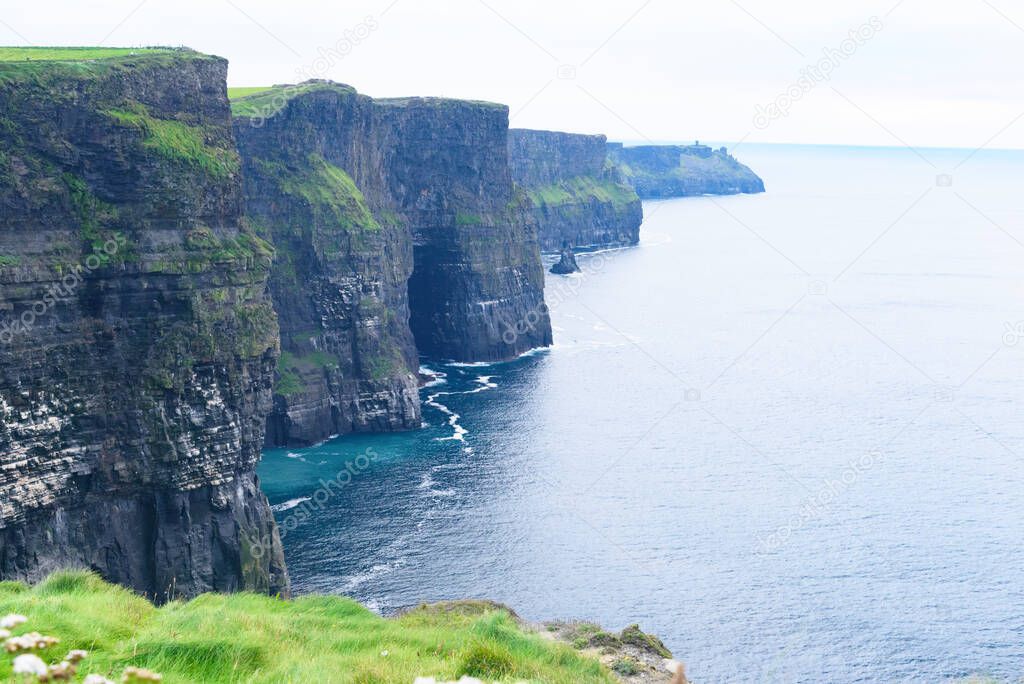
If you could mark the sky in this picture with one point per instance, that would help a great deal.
(926, 73)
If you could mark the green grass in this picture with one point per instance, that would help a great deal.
(289, 366)
(52, 69)
(246, 91)
(70, 54)
(581, 189)
(249, 638)
(178, 141)
(468, 219)
(288, 383)
(331, 193)
(266, 102)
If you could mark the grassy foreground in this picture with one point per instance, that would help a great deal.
(251, 638)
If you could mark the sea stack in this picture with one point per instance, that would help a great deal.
(567, 263)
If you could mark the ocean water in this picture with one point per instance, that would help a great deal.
(783, 433)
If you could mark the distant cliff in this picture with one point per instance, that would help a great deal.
(576, 194)
(138, 343)
(659, 171)
(398, 234)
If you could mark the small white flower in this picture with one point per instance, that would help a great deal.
(384, 654)
(76, 655)
(30, 665)
(96, 679)
(13, 620)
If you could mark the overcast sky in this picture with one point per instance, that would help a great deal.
(919, 72)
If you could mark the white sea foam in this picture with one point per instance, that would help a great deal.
(290, 504)
(429, 484)
(439, 378)
(358, 579)
(458, 432)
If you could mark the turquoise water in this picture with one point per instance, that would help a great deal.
(782, 433)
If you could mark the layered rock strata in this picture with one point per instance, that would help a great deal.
(138, 341)
(398, 234)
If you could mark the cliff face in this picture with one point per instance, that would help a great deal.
(438, 254)
(577, 196)
(343, 262)
(477, 289)
(138, 343)
(659, 171)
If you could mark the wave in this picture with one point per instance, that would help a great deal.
(439, 378)
(458, 431)
(290, 504)
(374, 572)
(430, 485)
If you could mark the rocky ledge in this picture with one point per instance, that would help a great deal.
(631, 655)
(661, 171)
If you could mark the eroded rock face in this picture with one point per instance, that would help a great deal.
(662, 171)
(577, 196)
(398, 234)
(477, 289)
(138, 341)
(315, 186)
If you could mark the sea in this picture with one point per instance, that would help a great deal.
(783, 433)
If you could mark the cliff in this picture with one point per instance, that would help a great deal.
(660, 171)
(343, 262)
(577, 196)
(477, 288)
(138, 342)
(398, 234)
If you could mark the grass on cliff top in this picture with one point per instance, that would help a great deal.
(263, 103)
(248, 638)
(50, 66)
(70, 54)
(246, 91)
(437, 102)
